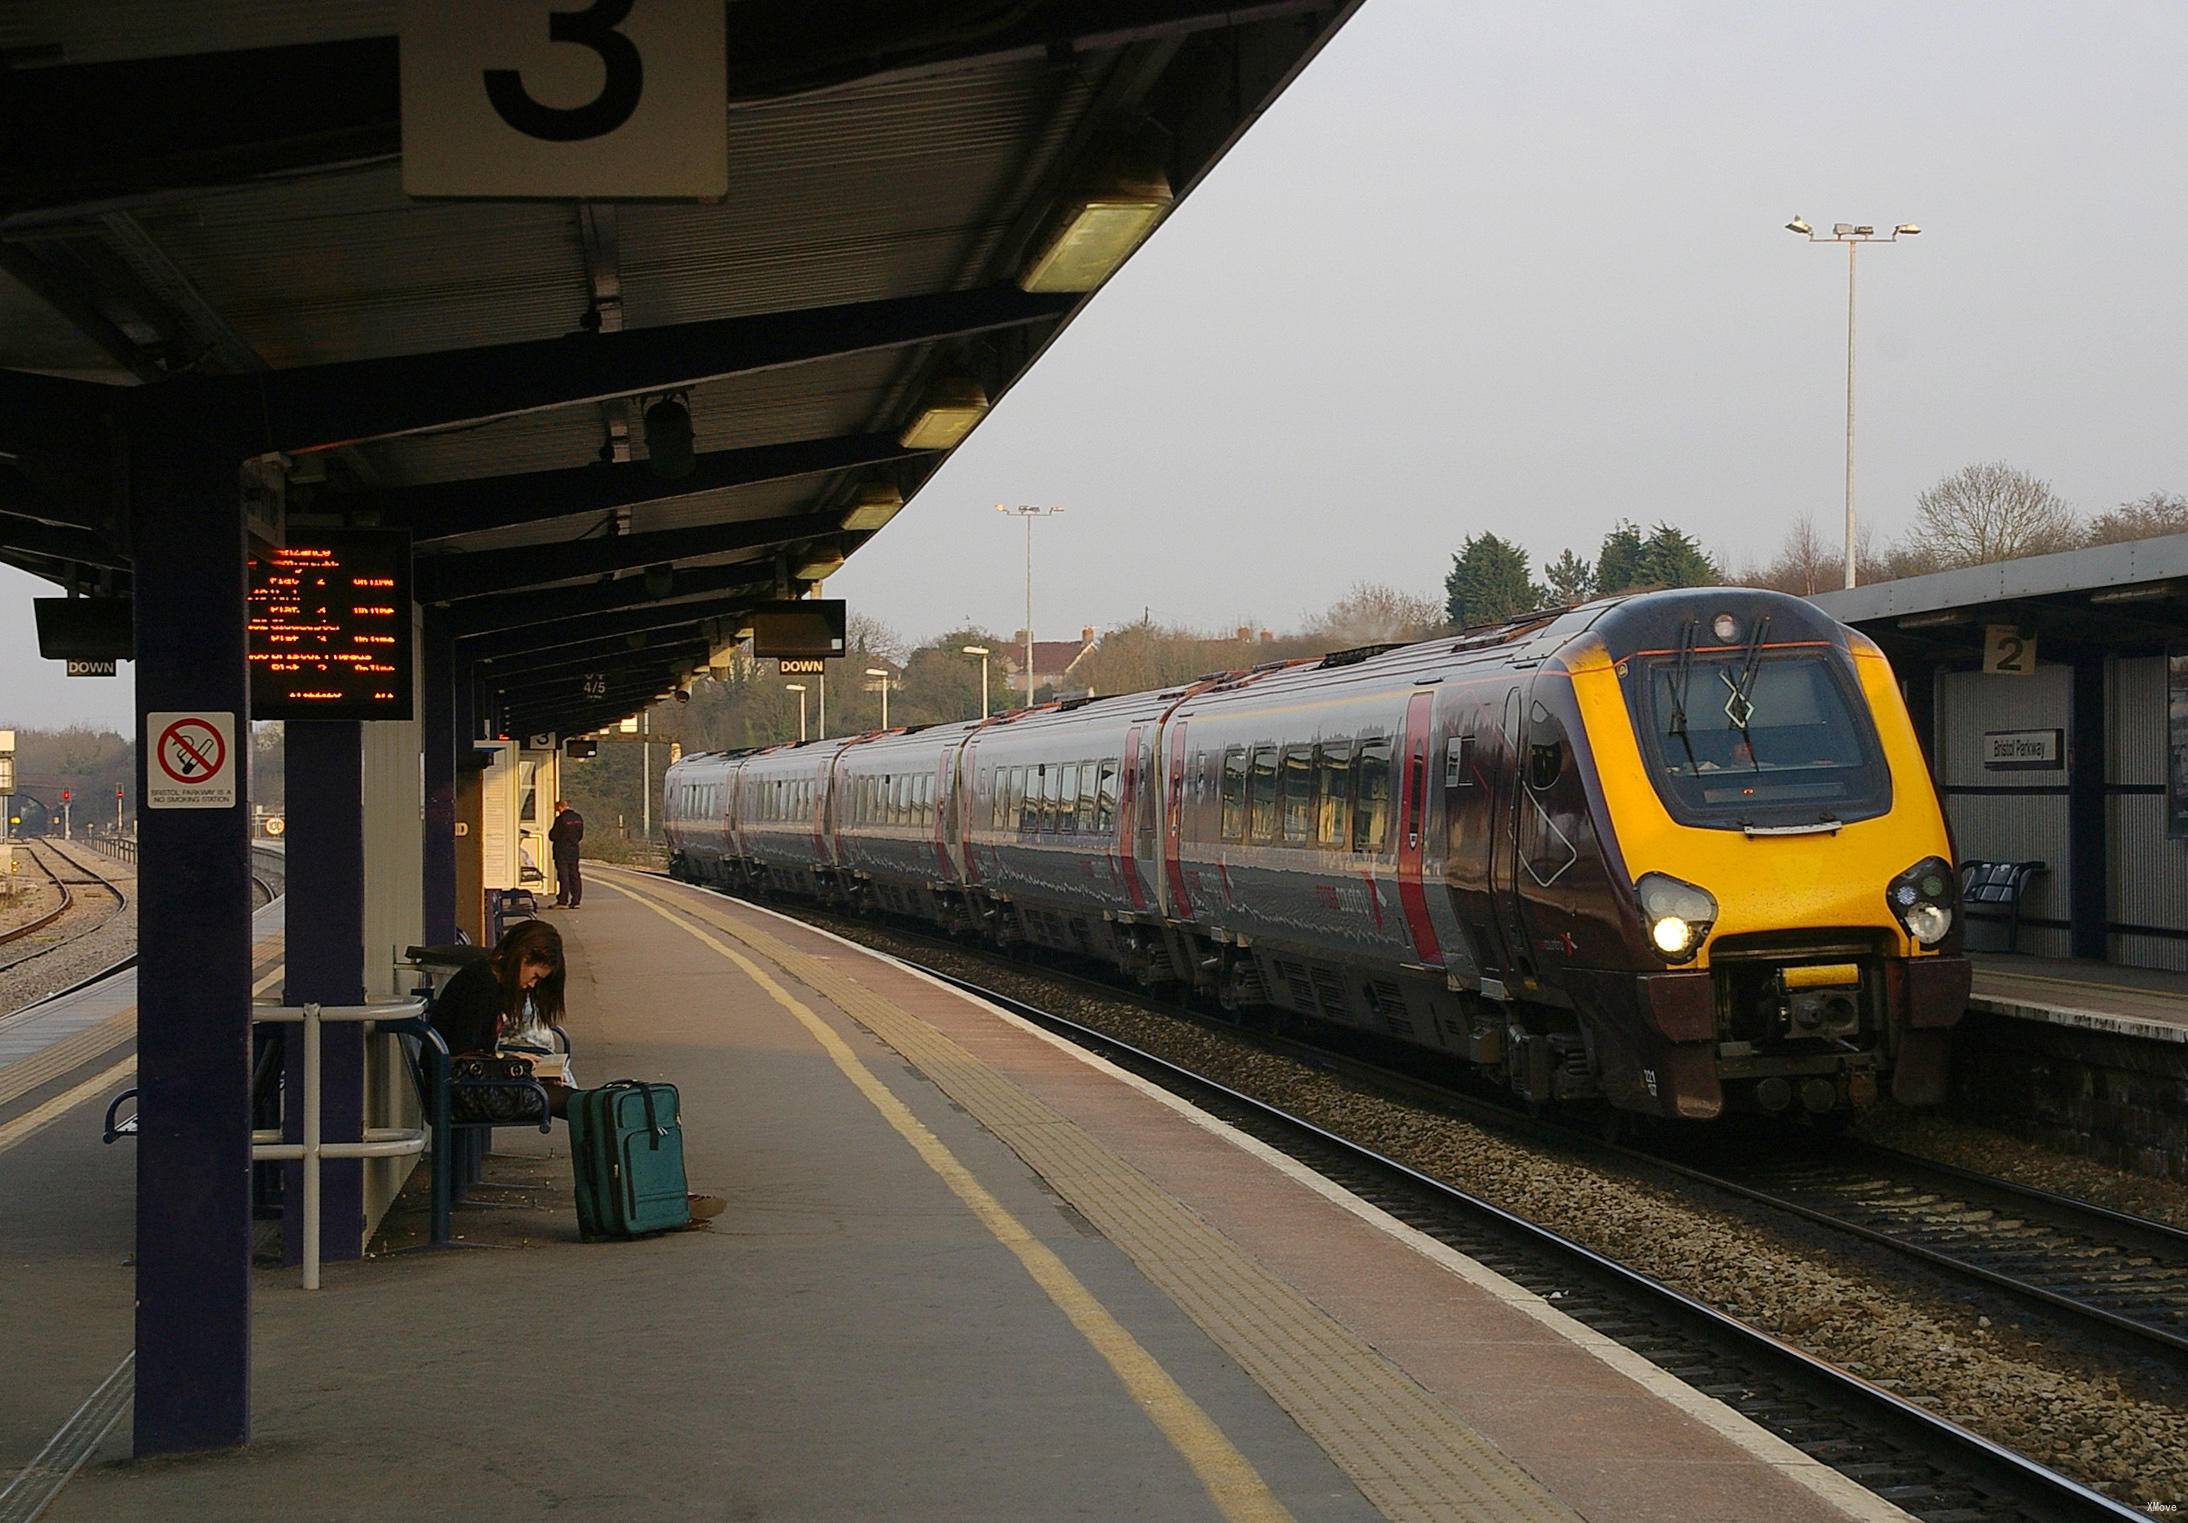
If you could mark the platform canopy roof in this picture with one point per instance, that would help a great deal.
(202, 218)
(2129, 599)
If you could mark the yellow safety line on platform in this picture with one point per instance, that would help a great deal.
(1229, 1477)
(37, 1118)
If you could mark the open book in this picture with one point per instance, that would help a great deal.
(553, 1066)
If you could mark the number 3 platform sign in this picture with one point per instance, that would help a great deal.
(550, 99)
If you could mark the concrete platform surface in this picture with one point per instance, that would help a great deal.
(2096, 996)
(965, 1272)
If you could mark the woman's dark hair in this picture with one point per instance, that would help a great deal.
(529, 941)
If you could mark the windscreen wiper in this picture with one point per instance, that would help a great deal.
(1740, 707)
(1677, 683)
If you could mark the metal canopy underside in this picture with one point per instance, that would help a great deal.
(2129, 598)
(476, 372)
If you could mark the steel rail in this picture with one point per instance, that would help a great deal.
(32, 927)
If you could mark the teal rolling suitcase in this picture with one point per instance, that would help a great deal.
(627, 1152)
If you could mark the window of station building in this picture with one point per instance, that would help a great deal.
(1332, 792)
(1105, 798)
(1234, 794)
(1296, 790)
(1371, 794)
(1261, 795)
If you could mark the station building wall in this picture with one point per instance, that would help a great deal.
(2022, 815)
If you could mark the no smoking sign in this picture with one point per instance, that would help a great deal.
(190, 761)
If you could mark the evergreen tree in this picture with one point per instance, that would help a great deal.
(1671, 558)
(1570, 579)
(1489, 581)
(1618, 565)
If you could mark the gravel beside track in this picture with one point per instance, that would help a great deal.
(34, 893)
(86, 954)
(2025, 1163)
(2016, 1379)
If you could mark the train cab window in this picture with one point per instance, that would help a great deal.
(1261, 794)
(1234, 794)
(1332, 792)
(1296, 791)
(1105, 799)
(1371, 795)
(1067, 799)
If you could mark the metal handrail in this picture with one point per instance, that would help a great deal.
(378, 1141)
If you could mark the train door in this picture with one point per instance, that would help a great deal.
(1545, 847)
(1128, 807)
(1180, 906)
(946, 813)
(1502, 773)
(1413, 826)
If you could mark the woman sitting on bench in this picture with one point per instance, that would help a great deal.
(482, 1006)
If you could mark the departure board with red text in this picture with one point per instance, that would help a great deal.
(329, 626)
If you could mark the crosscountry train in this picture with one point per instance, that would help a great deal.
(1677, 851)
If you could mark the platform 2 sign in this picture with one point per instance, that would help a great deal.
(329, 626)
(560, 99)
(190, 761)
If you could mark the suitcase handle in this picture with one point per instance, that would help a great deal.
(645, 1096)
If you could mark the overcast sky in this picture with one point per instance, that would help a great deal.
(1497, 267)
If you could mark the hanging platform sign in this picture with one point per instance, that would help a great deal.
(190, 761)
(543, 99)
(2007, 652)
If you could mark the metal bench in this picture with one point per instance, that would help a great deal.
(1990, 902)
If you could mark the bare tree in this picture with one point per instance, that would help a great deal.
(1992, 512)
(2147, 517)
(864, 632)
(1371, 613)
(1803, 565)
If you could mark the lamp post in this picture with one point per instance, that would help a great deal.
(1853, 235)
(799, 689)
(982, 652)
(1029, 512)
(881, 674)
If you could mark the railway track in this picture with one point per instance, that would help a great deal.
(2105, 1270)
(25, 942)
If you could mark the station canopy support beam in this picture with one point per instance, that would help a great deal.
(589, 631)
(481, 573)
(193, 1321)
(553, 608)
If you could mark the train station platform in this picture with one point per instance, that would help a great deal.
(2092, 996)
(965, 1272)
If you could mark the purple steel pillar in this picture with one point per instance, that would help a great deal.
(193, 1374)
(324, 909)
(437, 736)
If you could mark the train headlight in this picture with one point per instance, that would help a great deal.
(1922, 897)
(1678, 915)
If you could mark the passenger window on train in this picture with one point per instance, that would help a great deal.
(1297, 793)
(1458, 762)
(1105, 811)
(1261, 794)
(1234, 794)
(1332, 792)
(1088, 798)
(1067, 798)
(1371, 794)
(925, 796)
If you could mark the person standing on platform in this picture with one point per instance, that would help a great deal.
(565, 835)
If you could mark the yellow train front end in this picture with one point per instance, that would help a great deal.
(1793, 898)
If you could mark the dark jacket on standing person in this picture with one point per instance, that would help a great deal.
(567, 832)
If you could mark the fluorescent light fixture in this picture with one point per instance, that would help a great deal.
(1932, 620)
(629, 726)
(820, 562)
(949, 413)
(2148, 593)
(1093, 233)
(874, 507)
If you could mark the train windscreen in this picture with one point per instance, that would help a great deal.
(1776, 738)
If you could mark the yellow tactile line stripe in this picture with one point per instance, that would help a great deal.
(37, 1118)
(1408, 1453)
(50, 1062)
(1230, 1479)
